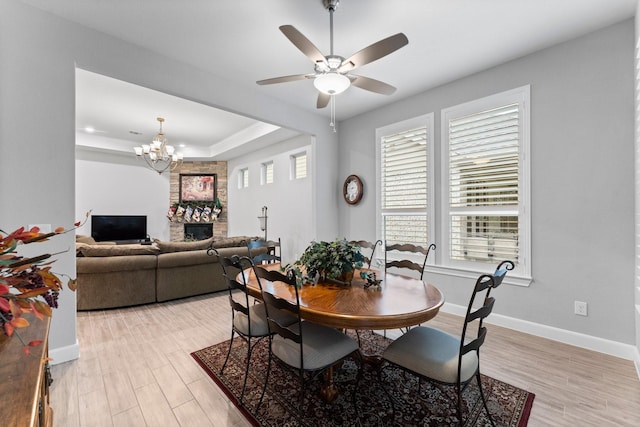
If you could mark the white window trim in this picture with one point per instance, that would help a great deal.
(263, 172)
(522, 273)
(241, 173)
(292, 165)
(424, 120)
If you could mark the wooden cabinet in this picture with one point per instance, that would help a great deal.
(25, 379)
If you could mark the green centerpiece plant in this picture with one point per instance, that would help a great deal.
(333, 261)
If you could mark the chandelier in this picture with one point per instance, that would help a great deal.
(159, 156)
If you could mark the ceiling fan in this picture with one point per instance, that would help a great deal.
(332, 73)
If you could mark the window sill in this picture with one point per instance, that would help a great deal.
(511, 279)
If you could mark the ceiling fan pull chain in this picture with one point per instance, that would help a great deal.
(332, 103)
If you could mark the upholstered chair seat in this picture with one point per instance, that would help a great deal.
(321, 346)
(433, 354)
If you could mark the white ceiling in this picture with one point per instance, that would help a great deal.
(124, 115)
(240, 41)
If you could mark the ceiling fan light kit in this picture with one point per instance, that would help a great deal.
(332, 83)
(332, 73)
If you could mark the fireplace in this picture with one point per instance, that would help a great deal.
(196, 231)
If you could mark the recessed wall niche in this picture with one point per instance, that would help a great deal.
(220, 227)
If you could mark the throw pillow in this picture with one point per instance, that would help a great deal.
(183, 246)
(231, 242)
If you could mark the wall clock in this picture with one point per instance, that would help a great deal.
(352, 189)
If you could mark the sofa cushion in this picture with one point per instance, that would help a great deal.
(81, 238)
(185, 258)
(115, 250)
(166, 247)
(100, 265)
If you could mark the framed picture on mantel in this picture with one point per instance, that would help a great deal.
(198, 187)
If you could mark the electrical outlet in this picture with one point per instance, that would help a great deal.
(580, 308)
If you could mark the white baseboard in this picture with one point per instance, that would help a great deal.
(64, 354)
(613, 348)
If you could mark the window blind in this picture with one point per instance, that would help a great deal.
(300, 166)
(268, 173)
(483, 184)
(244, 175)
(404, 186)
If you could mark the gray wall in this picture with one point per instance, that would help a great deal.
(582, 179)
(38, 56)
(288, 201)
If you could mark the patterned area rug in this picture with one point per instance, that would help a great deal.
(393, 400)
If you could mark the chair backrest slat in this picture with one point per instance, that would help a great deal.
(275, 303)
(405, 263)
(483, 283)
(261, 251)
(483, 311)
(498, 277)
(367, 245)
(236, 306)
(475, 344)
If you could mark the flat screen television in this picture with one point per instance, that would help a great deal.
(116, 228)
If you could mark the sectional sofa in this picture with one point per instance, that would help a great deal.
(111, 275)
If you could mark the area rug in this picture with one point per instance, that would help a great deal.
(391, 399)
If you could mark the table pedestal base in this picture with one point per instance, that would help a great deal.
(329, 391)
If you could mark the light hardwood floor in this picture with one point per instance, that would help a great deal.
(135, 369)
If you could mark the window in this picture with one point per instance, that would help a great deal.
(405, 181)
(243, 178)
(267, 173)
(485, 171)
(299, 166)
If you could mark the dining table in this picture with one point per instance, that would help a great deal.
(399, 302)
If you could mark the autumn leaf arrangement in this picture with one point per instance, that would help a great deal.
(27, 284)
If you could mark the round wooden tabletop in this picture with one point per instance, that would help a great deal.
(403, 301)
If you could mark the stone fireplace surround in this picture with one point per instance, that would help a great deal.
(220, 227)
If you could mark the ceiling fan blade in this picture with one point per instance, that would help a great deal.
(373, 52)
(284, 79)
(372, 85)
(323, 100)
(303, 43)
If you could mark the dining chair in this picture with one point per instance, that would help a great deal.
(302, 346)
(405, 250)
(248, 321)
(367, 245)
(446, 359)
(264, 251)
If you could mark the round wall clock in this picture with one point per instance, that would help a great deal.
(352, 189)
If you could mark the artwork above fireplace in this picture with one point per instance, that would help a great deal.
(198, 231)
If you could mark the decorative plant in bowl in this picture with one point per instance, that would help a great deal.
(334, 261)
(27, 284)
